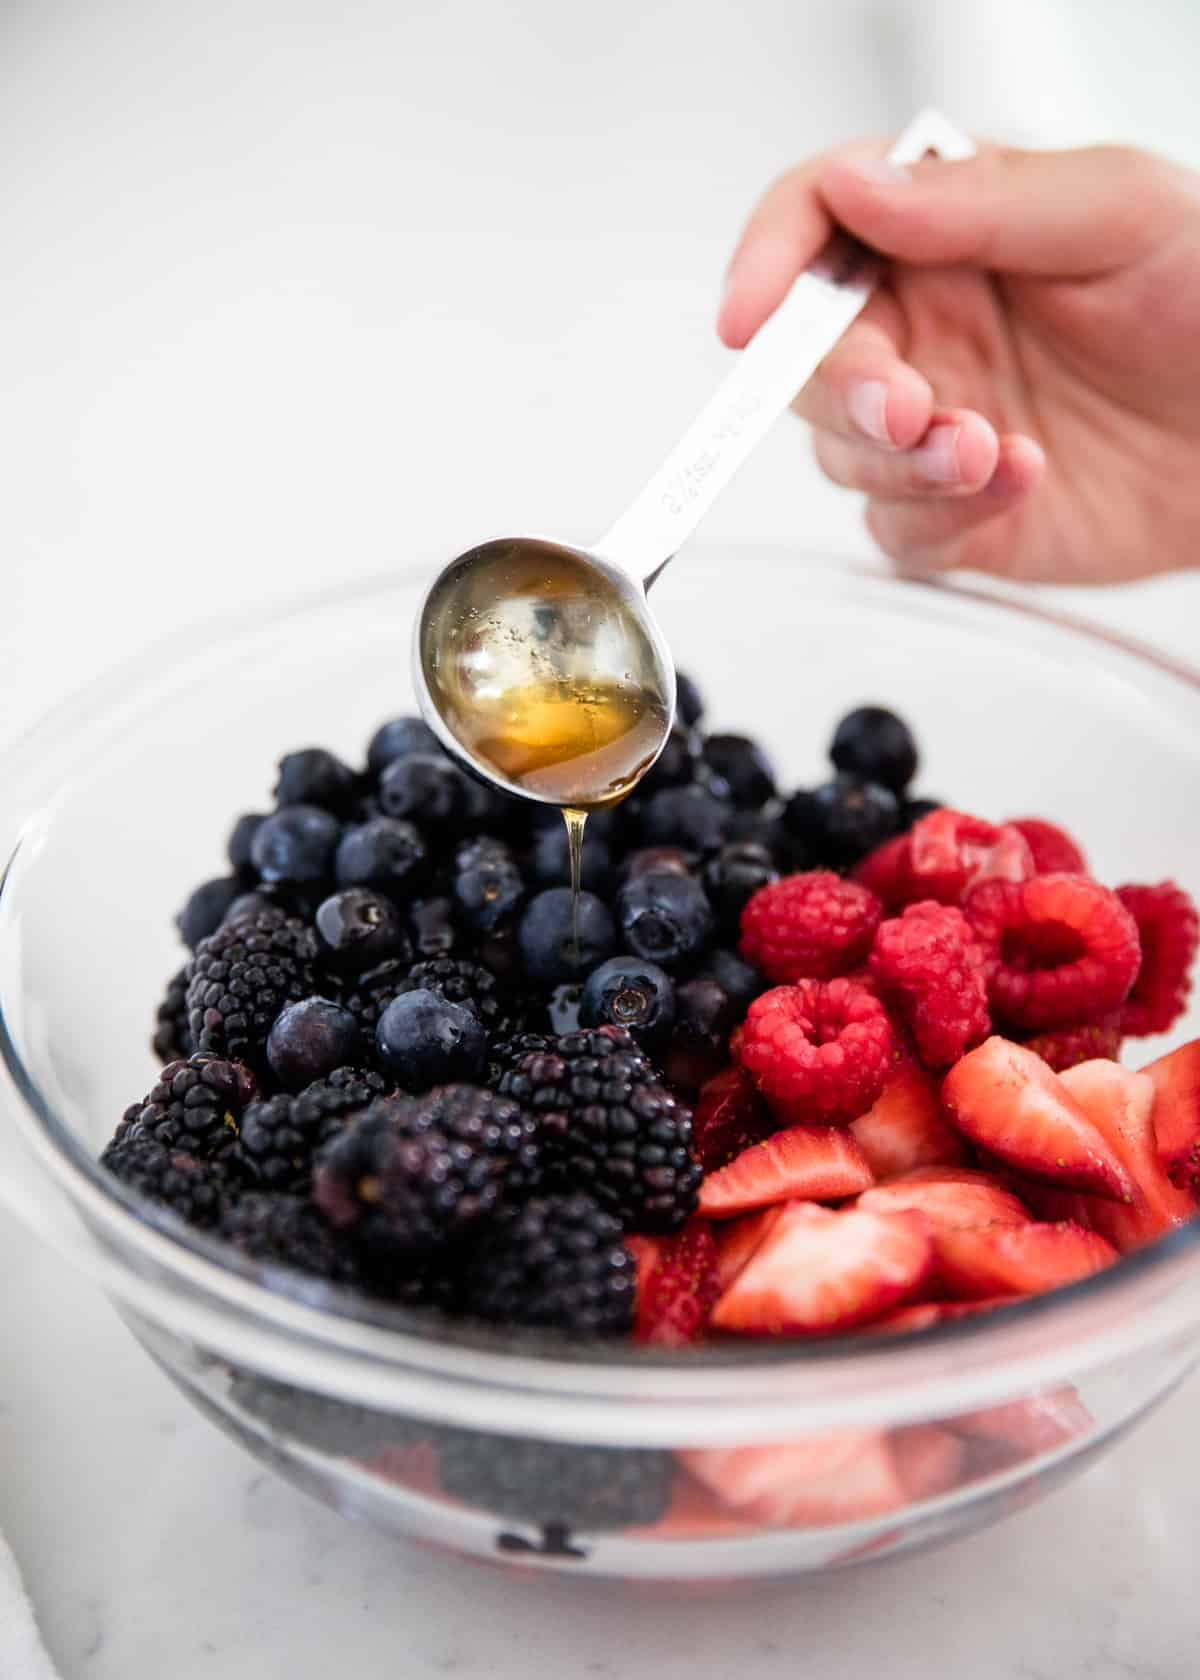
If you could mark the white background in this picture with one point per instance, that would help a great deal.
(292, 292)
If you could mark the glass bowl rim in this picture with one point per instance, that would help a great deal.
(324, 1315)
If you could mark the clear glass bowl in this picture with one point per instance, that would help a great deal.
(853, 1447)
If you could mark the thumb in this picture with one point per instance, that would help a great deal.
(1088, 211)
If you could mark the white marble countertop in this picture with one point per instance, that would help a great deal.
(291, 290)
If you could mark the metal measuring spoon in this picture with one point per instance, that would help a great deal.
(540, 667)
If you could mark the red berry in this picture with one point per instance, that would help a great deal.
(1054, 851)
(1017, 1259)
(927, 961)
(1069, 1046)
(951, 1198)
(819, 1050)
(799, 1163)
(905, 1127)
(1176, 1080)
(677, 1286)
(1169, 930)
(887, 871)
(809, 927)
(951, 852)
(1060, 949)
(729, 1116)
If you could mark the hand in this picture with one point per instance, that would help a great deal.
(1022, 395)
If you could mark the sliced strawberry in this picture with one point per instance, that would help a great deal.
(950, 852)
(1176, 1081)
(729, 1116)
(737, 1240)
(1120, 1104)
(905, 1127)
(922, 1315)
(951, 1198)
(676, 1292)
(929, 1460)
(814, 1163)
(825, 1480)
(1018, 1259)
(1032, 1426)
(1006, 1098)
(646, 1252)
(694, 1513)
(818, 1271)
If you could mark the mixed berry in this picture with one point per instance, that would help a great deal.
(799, 1062)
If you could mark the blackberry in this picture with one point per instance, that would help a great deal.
(370, 993)
(875, 745)
(743, 767)
(172, 1041)
(506, 1054)
(189, 1187)
(607, 1126)
(415, 1175)
(195, 1106)
(242, 976)
(557, 1263)
(555, 1483)
(319, 1421)
(287, 1231)
(316, 777)
(468, 983)
(280, 1135)
(206, 909)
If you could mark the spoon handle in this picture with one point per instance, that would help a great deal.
(780, 359)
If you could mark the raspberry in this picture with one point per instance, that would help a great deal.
(1169, 930)
(813, 926)
(887, 872)
(1070, 1045)
(927, 960)
(1059, 949)
(1054, 851)
(951, 852)
(819, 1050)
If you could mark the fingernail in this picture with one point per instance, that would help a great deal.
(937, 458)
(867, 402)
(878, 172)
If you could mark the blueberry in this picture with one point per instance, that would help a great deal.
(206, 909)
(396, 739)
(734, 876)
(739, 980)
(545, 936)
(841, 821)
(241, 839)
(675, 765)
(487, 884)
(386, 853)
(688, 702)
(295, 844)
(425, 789)
(913, 810)
(309, 1040)
(426, 1041)
(664, 918)
(704, 1015)
(357, 928)
(656, 860)
(690, 817)
(563, 1007)
(435, 933)
(315, 777)
(876, 746)
(627, 992)
(743, 766)
(549, 860)
(488, 808)
(249, 904)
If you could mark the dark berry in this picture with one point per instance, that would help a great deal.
(309, 1039)
(434, 929)
(549, 859)
(279, 1136)
(704, 1015)
(249, 904)
(665, 919)
(315, 777)
(426, 1041)
(397, 739)
(172, 1040)
(206, 909)
(555, 1484)
(913, 810)
(546, 936)
(627, 992)
(357, 929)
(320, 1422)
(296, 844)
(676, 764)
(505, 1054)
(288, 1231)
(242, 976)
(487, 884)
(468, 984)
(733, 877)
(195, 1106)
(690, 817)
(368, 994)
(841, 821)
(385, 853)
(607, 1126)
(241, 840)
(875, 745)
(189, 1187)
(563, 1007)
(413, 1175)
(425, 789)
(688, 703)
(744, 768)
(656, 860)
(738, 979)
(557, 1263)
